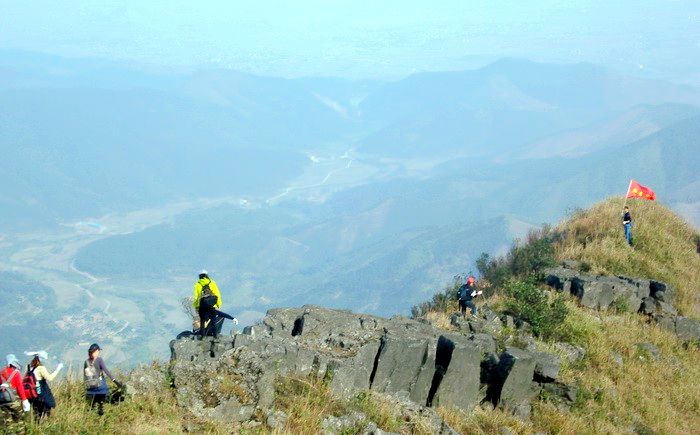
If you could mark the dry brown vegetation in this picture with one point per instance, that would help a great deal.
(665, 246)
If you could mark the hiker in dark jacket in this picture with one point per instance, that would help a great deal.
(94, 369)
(627, 223)
(466, 293)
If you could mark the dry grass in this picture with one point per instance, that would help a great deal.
(665, 246)
(482, 422)
(439, 320)
(157, 414)
(660, 396)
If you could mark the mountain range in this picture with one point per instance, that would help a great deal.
(353, 194)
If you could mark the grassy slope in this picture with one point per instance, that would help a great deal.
(640, 394)
(665, 246)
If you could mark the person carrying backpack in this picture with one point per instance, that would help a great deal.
(44, 401)
(13, 397)
(206, 300)
(466, 294)
(94, 369)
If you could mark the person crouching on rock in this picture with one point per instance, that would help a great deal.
(467, 292)
(44, 402)
(94, 371)
(206, 300)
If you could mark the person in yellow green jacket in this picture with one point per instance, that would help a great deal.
(206, 300)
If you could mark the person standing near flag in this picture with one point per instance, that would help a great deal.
(627, 223)
(634, 190)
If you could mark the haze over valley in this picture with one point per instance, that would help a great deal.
(363, 192)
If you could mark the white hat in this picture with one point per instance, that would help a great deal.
(203, 272)
(42, 354)
(13, 361)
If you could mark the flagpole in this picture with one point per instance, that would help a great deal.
(627, 194)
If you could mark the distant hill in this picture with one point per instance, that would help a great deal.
(631, 125)
(498, 110)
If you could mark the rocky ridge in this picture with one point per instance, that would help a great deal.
(645, 296)
(412, 361)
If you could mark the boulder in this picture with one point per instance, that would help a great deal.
(484, 342)
(560, 393)
(572, 353)
(547, 366)
(559, 278)
(399, 363)
(351, 375)
(687, 329)
(460, 361)
(508, 321)
(651, 306)
(516, 370)
(598, 292)
(661, 291)
(146, 381)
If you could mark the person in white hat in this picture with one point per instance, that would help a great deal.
(45, 401)
(12, 393)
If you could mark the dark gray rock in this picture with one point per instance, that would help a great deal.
(399, 363)
(651, 306)
(516, 370)
(146, 381)
(687, 329)
(547, 366)
(352, 374)
(661, 291)
(572, 353)
(599, 292)
(508, 321)
(560, 393)
(459, 386)
(484, 342)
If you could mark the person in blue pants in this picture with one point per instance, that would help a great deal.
(627, 223)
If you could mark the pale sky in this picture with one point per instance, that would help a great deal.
(361, 38)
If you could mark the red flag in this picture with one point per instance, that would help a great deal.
(636, 190)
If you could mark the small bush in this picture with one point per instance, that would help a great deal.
(528, 302)
(442, 302)
(527, 258)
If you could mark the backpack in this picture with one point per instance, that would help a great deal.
(7, 392)
(91, 377)
(29, 383)
(206, 291)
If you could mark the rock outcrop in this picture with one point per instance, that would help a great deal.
(232, 377)
(649, 297)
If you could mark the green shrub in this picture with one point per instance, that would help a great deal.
(528, 258)
(443, 301)
(531, 304)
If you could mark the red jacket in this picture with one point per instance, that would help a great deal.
(16, 381)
